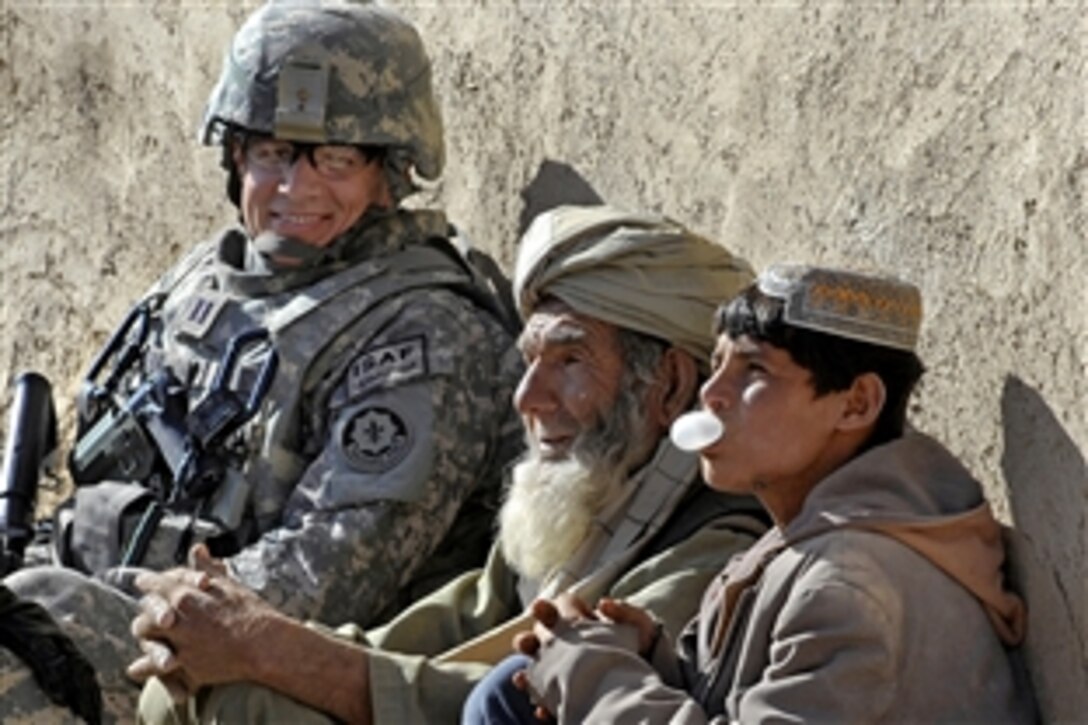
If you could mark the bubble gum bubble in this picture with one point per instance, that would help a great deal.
(696, 430)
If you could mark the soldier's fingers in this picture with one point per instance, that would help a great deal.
(520, 680)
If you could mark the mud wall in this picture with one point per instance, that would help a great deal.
(944, 141)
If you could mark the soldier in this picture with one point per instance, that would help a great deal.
(371, 470)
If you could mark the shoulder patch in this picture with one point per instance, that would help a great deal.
(397, 362)
(376, 439)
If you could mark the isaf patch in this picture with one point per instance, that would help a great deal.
(375, 440)
(396, 363)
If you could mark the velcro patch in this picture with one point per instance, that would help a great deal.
(375, 440)
(395, 363)
(199, 312)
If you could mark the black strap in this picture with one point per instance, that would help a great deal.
(60, 669)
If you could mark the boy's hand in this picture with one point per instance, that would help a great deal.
(619, 612)
(548, 613)
(571, 609)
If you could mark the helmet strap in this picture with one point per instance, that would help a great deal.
(286, 252)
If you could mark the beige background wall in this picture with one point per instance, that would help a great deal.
(944, 141)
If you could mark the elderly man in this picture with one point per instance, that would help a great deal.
(877, 596)
(369, 471)
(617, 310)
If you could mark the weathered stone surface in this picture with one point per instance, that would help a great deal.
(945, 141)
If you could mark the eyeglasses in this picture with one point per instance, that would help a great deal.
(333, 161)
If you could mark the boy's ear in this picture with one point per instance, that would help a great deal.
(863, 402)
(677, 383)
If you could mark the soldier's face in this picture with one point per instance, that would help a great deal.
(300, 203)
(574, 366)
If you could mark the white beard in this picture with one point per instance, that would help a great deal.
(549, 509)
(550, 505)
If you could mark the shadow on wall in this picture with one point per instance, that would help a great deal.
(555, 183)
(1048, 494)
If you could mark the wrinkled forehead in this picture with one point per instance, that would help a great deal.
(555, 323)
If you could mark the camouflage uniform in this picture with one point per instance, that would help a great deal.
(27, 630)
(21, 701)
(384, 417)
(389, 420)
(67, 591)
(349, 528)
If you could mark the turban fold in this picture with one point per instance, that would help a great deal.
(641, 272)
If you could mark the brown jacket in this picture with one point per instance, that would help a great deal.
(882, 601)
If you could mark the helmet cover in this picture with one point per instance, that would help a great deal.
(330, 71)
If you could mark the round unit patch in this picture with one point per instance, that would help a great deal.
(375, 439)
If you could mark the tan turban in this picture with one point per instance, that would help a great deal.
(637, 271)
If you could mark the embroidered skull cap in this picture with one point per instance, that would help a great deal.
(879, 310)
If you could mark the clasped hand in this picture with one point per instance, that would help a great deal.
(196, 626)
(570, 610)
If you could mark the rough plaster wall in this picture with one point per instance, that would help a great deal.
(944, 141)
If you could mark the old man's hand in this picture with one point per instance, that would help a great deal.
(197, 627)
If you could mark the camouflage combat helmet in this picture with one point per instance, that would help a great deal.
(332, 71)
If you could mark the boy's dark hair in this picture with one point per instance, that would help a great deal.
(833, 361)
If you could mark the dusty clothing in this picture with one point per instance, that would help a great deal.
(408, 687)
(409, 680)
(867, 607)
(386, 426)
